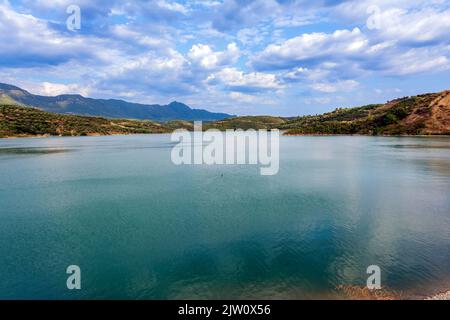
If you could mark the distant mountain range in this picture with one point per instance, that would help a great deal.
(111, 108)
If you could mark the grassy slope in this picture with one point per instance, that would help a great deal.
(259, 122)
(6, 100)
(17, 121)
(419, 115)
(423, 114)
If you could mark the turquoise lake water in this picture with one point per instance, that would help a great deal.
(140, 227)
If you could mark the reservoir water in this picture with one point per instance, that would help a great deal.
(140, 227)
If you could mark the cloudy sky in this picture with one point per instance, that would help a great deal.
(280, 57)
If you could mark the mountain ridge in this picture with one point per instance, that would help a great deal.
(76, 104)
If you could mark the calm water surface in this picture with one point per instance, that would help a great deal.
(142, 228)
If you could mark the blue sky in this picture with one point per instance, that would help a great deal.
(247, 57)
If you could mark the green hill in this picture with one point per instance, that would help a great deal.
(18, 121)
(425, 114)
(245, 123)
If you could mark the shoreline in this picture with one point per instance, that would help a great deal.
(86, 136)
(352, 292)
(284, 135)
(364, 135)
